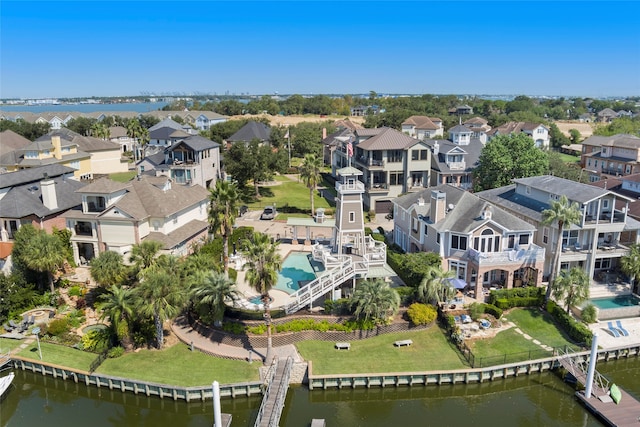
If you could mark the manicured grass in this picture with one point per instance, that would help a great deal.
(59, 355)
(539, 325)
(7, 344)
(430, 351)
(123, 176)
(290, 193)
(178, 365)
(507, 342)
(568, 158)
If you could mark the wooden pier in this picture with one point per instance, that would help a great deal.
(625, 413)
(273, 400)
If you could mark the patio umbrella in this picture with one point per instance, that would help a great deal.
(458, 283)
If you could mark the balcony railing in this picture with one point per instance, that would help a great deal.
(377, 187)
(513, 256)
(369, 162)
(353, 187)
(457, 165)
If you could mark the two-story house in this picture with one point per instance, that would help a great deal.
(119, 135)
(423, 127)
(37, 196)
(205, 119)
(461, 110)
(606, 156)
(50, 149)
(392, 163)
(252, 130)
(595, 244)
(537, 131)
(479, 128)
(115, 216)
(453, 161)
(165, 133)
(484, 245)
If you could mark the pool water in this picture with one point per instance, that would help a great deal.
(616, 302)
(295, 268)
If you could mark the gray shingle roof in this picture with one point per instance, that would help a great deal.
(252, 130)
(575, 191)
(438, 162)
(460, 129)
(620, 140)
(30, 175)
(166, 123)
(10, 141)
(196, 143)
(178, 236)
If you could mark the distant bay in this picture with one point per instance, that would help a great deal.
(139, 107)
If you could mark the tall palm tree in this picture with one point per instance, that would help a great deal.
(630, 263)
(571, 286)
(223, 201)
(263, 264)
(118, 305)
(143, 255)
(310, 175)
(376, 300)
(108, 269)
(138, 133)
(100, 130)
(44, 253)
(564, 214)
(161, 294)
(434, 286)
(211, 292)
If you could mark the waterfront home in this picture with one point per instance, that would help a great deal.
(595, 244)
(484, 245)
(37, 196)
(115, 216)
(392, 163)
(250, 131)
(537, 131)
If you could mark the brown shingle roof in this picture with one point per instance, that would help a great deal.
(388, 139)
(421, 122)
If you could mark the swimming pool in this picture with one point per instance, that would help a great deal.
(619, 301)
(296, 268)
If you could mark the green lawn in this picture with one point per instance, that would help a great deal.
(7, 344)
(568, 158)
(123, 176)
(430, 351)
(290, 193)
(539, 325)
(59, 355)
(178, 365)
(507, 342)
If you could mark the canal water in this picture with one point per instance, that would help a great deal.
(534, 400)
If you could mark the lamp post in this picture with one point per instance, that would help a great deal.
(36, 332)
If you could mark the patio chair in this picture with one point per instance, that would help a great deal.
(13, 324)
(613, 330)
(466, 318)
(7, 327)
(621, 328)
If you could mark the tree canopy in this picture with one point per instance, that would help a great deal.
(506, 157)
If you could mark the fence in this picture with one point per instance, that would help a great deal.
(503, 359)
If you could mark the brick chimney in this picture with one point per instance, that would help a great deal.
(48, 189)
(57, 147)
(438, 205)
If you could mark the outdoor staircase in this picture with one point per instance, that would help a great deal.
(577, 366)
(323, 284)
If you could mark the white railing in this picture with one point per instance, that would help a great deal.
(321, 285)
(532, 254)
(457, 165)
(347, 187)
(578, 367)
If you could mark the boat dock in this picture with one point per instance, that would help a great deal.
(625, 413)
(273, 400)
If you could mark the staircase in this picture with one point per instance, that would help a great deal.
(321, 285)
(578, 367)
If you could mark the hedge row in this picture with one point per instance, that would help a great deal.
(578, 332)
(529, 296)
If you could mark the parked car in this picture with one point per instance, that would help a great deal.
(269, 212)
(243, 210)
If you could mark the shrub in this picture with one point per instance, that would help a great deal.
(75, 291)
(368, 231)
(589, 314)
(493, 310)
(378, 237)
(115, 352)
(422, 314)
(361, 324)
(476, 310)
(234, 328)
(233, 274)
(57, 327)
(339, 307)
(577, 331)
(81, 303)
(257, 330)
(96, 340)
(407, 294)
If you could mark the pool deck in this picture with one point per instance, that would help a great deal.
(607, 340)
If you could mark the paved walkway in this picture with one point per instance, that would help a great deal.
(185, 333)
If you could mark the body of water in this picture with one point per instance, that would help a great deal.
(295, 268)
(140, 107)
(528, 400)
(618, 301)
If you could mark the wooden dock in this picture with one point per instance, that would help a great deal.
(625, 413)
(273, 400)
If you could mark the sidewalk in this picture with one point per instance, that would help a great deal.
(186, 334)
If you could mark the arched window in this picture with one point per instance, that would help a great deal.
(488, 242)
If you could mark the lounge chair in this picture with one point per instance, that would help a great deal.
(13, 324)
(457, 319)
(613, 330)
(466, 318)
(622, 330)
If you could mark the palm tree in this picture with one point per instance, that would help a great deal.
(117, 305)
(310, 175)
(100, 130)
(565, 214)
(211, 292)
(161, 295)
(376, 300)
(223, 202)
(143, 255)
(571, 286)
(630, 263)
(108, 269)
(138, 133)
(263, 262)
(44, 253)
(434, 286)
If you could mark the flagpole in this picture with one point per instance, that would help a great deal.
(289, 138)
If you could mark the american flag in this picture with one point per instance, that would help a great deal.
(349, 148)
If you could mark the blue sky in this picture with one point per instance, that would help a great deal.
(117, 48)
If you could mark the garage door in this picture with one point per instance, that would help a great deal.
(384, 206)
